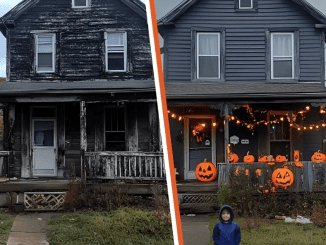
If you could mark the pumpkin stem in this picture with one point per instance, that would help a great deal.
(247, 153)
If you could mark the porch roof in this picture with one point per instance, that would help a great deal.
(250, 90)
(78, 87)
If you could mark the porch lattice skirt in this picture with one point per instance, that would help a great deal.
(46, 201)
(193, 198)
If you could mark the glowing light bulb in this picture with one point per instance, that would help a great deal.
(282, 119)
(307, 108)
(238, 121)
(311, 127)
(232, 117)
(203, 124)
(317, 126)
(304, 128)
(180, 118)
(173, 115)
(299, 129)
(214, 124)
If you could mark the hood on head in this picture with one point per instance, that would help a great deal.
(231, 214)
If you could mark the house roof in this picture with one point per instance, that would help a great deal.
(9, 18)
(186, 4)
(78, 87)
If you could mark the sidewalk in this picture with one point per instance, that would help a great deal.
(29, 229)
(195, 229)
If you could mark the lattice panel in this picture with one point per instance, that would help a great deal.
(44, 200)
(198, 198)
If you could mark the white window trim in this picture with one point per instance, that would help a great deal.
(87, 4)
(251, 5)
(272, 57)
(219, 54)
(124, 51)
(53, 51)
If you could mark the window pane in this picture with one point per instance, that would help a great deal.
(44, 48)
(43, 133)
(282, 45)
(121, 119)
(245, 3)
(282, 68)
(208, 44)
(116, 61)
(115, 39)
(80, 2)
(209, 66)
(45, 60)
(45, 39)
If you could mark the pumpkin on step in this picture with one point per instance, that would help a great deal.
(206, 171)
(318, 157)
(282, 177)
(280, 158)
(233, 158)
(248, 158)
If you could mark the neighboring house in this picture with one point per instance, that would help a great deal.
(80, 89)
(245, 75)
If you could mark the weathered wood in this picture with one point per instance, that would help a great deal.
(83, 138)
(26, 155)
(154, 143)
(61, 139)
(132, 138)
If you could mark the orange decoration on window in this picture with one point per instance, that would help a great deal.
(206, 171)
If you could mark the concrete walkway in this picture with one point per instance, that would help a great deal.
(29, 229)
(195, 229)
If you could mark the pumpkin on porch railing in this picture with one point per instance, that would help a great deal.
(318, 157)
(296, 156)
(282, 177)
(280, 158)
(233, 158)
(248, 158)
(298, 164)
(263, 159)
(206, 171)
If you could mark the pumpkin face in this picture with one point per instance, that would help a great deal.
(233, 158)
(318, 157)
(282, 177)
(206, 171)
(258, 172)
(280, 158)
(248, 158)
(296, 156)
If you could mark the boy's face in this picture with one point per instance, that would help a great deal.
(225, 214)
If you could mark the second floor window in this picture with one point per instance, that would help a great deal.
(245, 4)
(282, 56)
(45, 50)
(80, 3)
(208, 55)
(116, 51)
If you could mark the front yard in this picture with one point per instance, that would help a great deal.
(276, 233)
(6, 222)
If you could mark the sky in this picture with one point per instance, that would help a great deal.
(6, 5)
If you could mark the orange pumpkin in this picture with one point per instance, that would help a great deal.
(263, 159)
(280, 158)
(258, 172)
(233, 158)
(298, 164)
(246, 172)
(296, 156)
(282, 177)
(248, 158)
(206, 171)
(318, 157)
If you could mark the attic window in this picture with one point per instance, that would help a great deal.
(80, 3)
(245, 4)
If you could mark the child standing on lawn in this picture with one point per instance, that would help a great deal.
(226, 232)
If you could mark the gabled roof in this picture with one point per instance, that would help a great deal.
(9, 18)
(186, 4)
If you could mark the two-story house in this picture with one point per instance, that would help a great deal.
(80, 91)
(245, 76)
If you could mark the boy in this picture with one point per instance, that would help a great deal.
(226, 232)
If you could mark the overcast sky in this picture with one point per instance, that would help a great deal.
(6, 5)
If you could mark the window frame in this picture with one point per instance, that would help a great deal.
(88, 4)
(272, 56)
(37, 35)
(194, 56)
(251, 5)
(124, 51)
(254, 6)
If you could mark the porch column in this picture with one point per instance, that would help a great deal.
(83, 139)
(226, 132)
(154, 142)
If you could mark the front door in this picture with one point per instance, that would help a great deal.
(199, 142)
(44, 147)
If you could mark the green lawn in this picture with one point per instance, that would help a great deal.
(124, 226)
(6, 222)
(278, 233)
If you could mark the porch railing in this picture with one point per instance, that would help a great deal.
(124, 165)
(4, 163)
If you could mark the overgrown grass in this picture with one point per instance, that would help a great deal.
(6, 222)
(123, 226)
(276, 233)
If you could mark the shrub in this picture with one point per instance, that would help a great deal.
(318, 216)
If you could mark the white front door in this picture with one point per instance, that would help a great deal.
(44, 147)
(199, 142)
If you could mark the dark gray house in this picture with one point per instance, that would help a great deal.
(246, 76)
(79, 91)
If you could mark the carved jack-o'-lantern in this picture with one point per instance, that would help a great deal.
(280, 158)
(296, 156)
(233, 158)
(263, 159)
(206, 171)
(258, 172)
(318, 157)
(282, 177)
(248, 158)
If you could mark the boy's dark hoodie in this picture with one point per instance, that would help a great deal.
(226, 232)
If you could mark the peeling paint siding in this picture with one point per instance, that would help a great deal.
(79, 41)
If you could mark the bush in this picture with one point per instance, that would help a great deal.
(318, 216)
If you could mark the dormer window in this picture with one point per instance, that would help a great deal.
(116, 51)
(80, 3)
(245, 4)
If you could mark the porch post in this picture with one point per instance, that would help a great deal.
(83, 139)
(226, 132)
